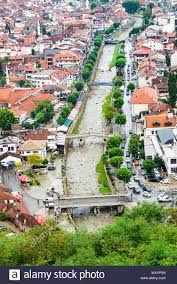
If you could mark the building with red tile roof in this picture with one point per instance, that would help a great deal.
(142, 99)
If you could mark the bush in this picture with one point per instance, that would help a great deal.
(4, 217)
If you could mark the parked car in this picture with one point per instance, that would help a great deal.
(127, 154)
(174, 191)
(2, 228)
(133, 172)
(146, 194)
(165, 181)
(140, 183)
(130, 185)
(146, 188)
(175, 177)
(130, 132)
(153, 179)
(136, 190)
(51, 166)
(163, 198)
(136, 178)
(8, 165)
(128, 160)
(143, 173)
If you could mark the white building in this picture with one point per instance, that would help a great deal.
(7, 144)
(33, 147)
(163, 144)
(167, 22)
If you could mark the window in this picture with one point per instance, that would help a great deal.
(173, 170)
(152, 132)
(156, 124)
(167, 124)
(173, 161)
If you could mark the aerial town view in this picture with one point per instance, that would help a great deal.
(88, 132)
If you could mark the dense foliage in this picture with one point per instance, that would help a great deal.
(7, 119)
(44, 111)
(143, 236)
(131, 6)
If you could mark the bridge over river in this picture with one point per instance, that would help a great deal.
(96, 84)
(93, 201)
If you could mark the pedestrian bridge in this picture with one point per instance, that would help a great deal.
(93, 201)
(86, 135)
(111, 41)
(95, 84)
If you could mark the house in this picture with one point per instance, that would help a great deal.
(167, 22)
(142, 99)
(174, 58)
(163, 144)
(10, 156)
(47, 135)
(159, 57)
(142, 53)
(6, 197)
(7, 144)
(161, 84)
(33, 147)
(66, 59)
(153, 122)
(147, 70)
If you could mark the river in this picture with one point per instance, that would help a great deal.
(81, 161)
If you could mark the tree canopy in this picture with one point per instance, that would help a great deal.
(34, 159)
(131, 6)
(145, 235)
(44, 111)
(7, 119)
(124, 174)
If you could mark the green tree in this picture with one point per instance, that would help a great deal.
(172, 89)
(117, 81)
(109, 114)
(47, 108)
(159, 162)
(124, 174)
(118, 103)
(3, 81)
(149, 165)
(79, 86)
(60, 120)
(115, 151)
(131, 6)
(116, 161)
(92, 5)
(72, 99)
(114, 141)
(116, 25)
(131, 86)
(34, 159)
(40, 117)
(120, 63)
(7, 119)
(117, 93)
(86, 74)
(120, 119)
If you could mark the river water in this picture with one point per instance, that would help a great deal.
(81, 162)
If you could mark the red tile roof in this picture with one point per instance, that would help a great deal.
(145, 95)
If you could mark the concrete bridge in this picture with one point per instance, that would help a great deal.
(86, 135)
(111, 41)
(95, 84)
(93, 201)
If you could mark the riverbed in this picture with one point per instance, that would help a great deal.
(82, 161)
